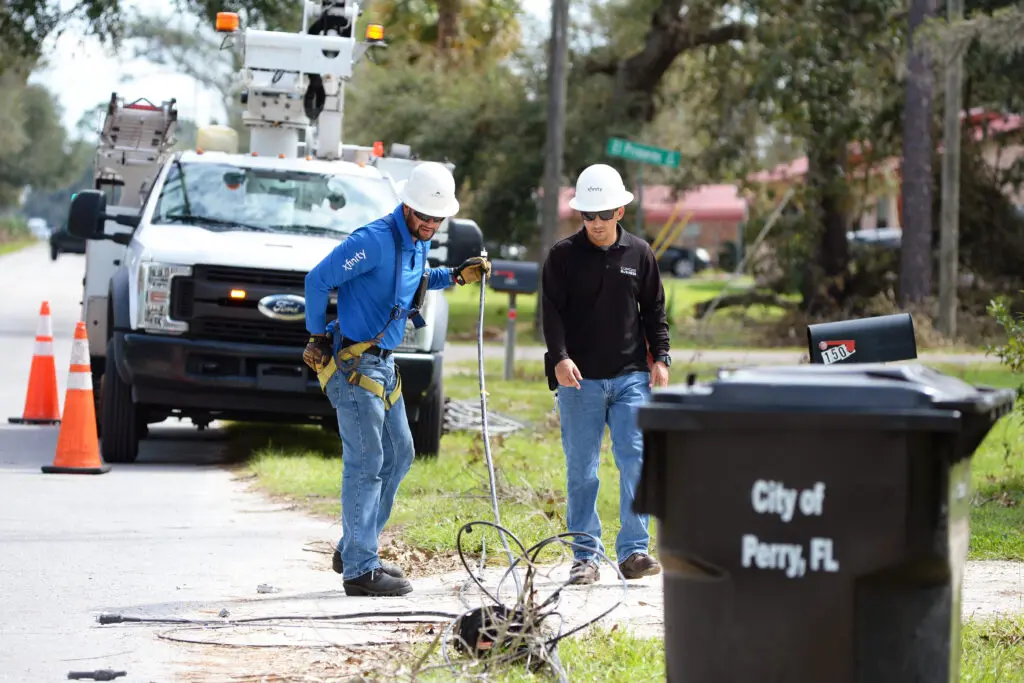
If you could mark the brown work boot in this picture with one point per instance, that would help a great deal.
(638, 565)
(388, 567)
(584, 572)
(377, 583)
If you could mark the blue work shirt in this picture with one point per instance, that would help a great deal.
(362, 269)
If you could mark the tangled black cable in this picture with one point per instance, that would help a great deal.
(502, 634)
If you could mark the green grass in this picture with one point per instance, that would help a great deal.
(597, 654)
(15, 245)
(992, 650)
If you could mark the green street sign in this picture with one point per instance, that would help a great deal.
(656, 156)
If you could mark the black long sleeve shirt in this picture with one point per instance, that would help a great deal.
(603, 307)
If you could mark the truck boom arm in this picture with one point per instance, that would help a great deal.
(295, 82)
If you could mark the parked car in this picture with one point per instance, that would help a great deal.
(63, 242)
(683, 262)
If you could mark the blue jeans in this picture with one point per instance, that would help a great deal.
(584, 412)
(377, 452)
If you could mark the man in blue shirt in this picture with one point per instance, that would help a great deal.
(377, 271)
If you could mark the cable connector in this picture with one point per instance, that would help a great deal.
(110, 618)
(98, 675)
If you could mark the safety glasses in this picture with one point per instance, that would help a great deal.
(603, 215)
(425, 218)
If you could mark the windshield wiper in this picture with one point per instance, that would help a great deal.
(209, 220)
(181, 180)
(318, 229)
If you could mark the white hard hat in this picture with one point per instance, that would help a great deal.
(600, 188)
(430, 190)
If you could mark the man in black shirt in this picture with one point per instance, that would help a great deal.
(603, 311)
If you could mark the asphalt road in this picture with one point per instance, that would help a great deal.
(171, 530)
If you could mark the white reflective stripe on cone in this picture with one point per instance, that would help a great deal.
(44, 348)
(79, 353)
(45, 327)
(80, 381)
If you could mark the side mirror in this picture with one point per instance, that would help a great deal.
(88, 213)
(465, 240)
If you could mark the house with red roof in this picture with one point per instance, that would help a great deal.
(877, 198)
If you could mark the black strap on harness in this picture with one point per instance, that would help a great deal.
(355, 351)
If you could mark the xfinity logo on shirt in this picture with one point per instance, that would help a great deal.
(356, 258)
(625, 270)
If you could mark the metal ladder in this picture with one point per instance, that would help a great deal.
(132, 145)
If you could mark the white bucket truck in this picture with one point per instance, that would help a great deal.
(195, 268)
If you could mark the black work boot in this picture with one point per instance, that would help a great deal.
(388, 567)
(377, 583)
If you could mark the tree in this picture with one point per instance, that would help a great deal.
(25, 24)
(34, 150)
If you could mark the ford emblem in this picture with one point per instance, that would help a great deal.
(287, 307)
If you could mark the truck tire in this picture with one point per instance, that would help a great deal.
(426, 432)
(96, 366)
(120, 441)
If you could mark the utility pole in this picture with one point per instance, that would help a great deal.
(949, 229)
(557, 59)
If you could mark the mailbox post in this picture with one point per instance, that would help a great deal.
(513, 277)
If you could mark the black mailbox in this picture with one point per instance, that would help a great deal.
(516, 277)
(814, 521)
(881, 339)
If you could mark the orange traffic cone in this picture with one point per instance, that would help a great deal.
(41, 404)
(78, 445)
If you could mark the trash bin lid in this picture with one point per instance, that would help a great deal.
(903, 390)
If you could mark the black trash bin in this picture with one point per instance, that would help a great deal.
(813, 521)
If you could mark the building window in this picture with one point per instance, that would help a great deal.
(882, 213)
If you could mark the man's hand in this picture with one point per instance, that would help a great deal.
(659, 375)
(472, 270)
(567, 374)
(318, 352)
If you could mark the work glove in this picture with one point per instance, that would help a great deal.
(472, 270)
(318, 352)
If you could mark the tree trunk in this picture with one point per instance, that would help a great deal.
(916, 247)
(824, 285)
(447, 25)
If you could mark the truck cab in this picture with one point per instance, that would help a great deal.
(204, 314)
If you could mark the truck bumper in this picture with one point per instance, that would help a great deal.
(233, 381)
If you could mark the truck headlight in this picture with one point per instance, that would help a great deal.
(154, 304)
(413, 339)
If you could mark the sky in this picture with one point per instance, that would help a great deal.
(82, 73)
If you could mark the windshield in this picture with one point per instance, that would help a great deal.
(229, 197)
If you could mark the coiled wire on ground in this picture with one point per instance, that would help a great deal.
(465, 416)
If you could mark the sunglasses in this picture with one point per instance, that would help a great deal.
(603, 215)
(425, 218)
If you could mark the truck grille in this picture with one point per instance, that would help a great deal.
(204, 301)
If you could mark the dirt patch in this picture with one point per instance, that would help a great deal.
(211, 664)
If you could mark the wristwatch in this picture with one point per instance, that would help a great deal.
(665, 358)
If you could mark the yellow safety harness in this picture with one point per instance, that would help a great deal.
(356, 351)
